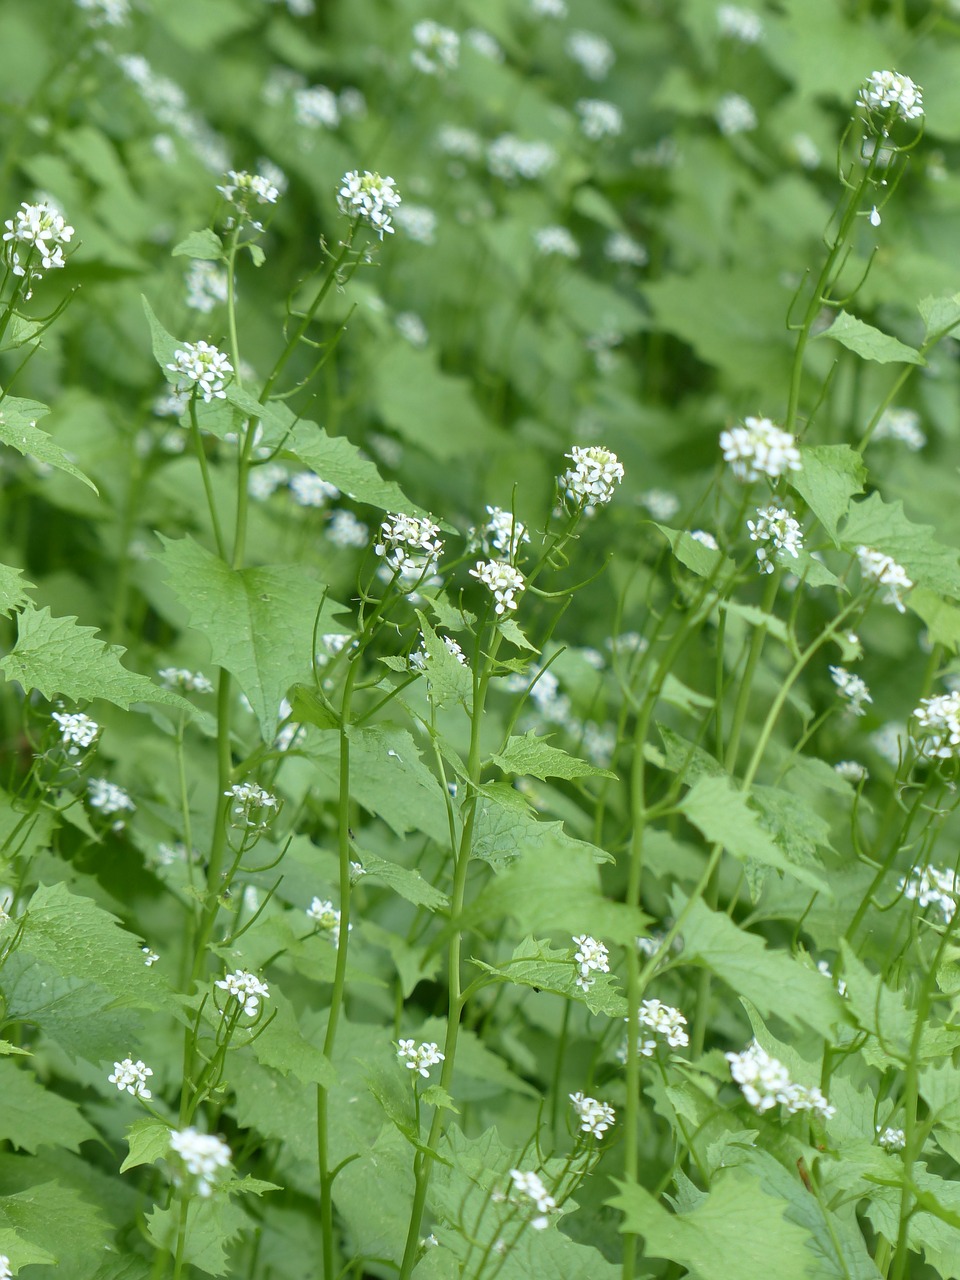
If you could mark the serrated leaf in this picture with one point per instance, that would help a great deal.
(148, 1141)
(13, 590)
(406, 881)
(19, 430)
(940, 315)
(544, 968)
(258, 622)
(164, 344)
(531, 756)
(448, 678)
(735, 1220)
(831, 475)
(212, 1225)
(703, 561)
(46, 1218)
(59, 656)
(510, 630)
(283, 1046)
(339, 462)
(941, 619)
(885, 527)
(870, 343)
(308, 707)
(204, 245)
(33, 1116)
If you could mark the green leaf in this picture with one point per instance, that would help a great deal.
(447, 677)
(13, 590)
(831, 475)
(510, 630)
(41, 1217)
(308, 707)
(736, 1220)
(339, 462)
(870, 343)
(942, 620)
(205, 245)
(544, 968)
(19, 430)
(148, 1140)
(258, 622)
(59, 656)
(282, 1045)
(939, 315)
(164, 344)
(406, 881)
(432, 410)
(531, 756)
(212, 1225)
(885, 527)
(704, 561)
(33, 1116)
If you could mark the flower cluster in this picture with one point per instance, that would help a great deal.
(851, 771)
(247, 989)
(903, 426)
(188, 681)
(665, 1021)
(594, 54)
(852, 688)
(344, 530)
(77, 731)
(419, 1057)
(932, 886)
(202, 1155)
(421, 659)
(556, 242)
(765, 1082)
(202, 368)
(884, 571)
(939, 721)
(593, 1117)
(132, 1077)
(626, 251)
(325, 915)
(107, 797)
(739, 24)
(370, 197)
(503, 581)
(509, 157)
(438, 48)
(891, 1139)
(105, 13)
(310, 491)
(44, 231)
(776, 526)
(251, 805)
(207, 286)
(410, 546)
(734, 114)
(240, 187)
(530, 1186)
(504, 532)
(419, 222)
(599, 119)
(890, 92)
(759, 448)
(593, 478)
(590, 957)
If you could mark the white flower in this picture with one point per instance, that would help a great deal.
(418, 221)
(207, 286)
(454, 140)
(310, 491)
(201, 367)
(891, 1139)
(264, 481)
(410, 545)
(239, 186)
(765, 1082)
(777, 527)
(939, 721)
(503, 580)
(664, 1021)
(438, 48)
(932, 886)
(369, 197)
(590, 957)
(357, 871)
(150, 958)
(557, 242)
(805, 151)
(734, 114)
(593, 53)
(411, 327)
(105, 13)
(548, 8)
(77, 731)
(661, 504)
(108, 797)
(705, 539)
(316, 106)
(884, 571)
(595, 1117)
(508, 157)
(889, 91)
(621, 248)
(247, 989)
(599, 119)
(484, 44)
(739, 24)
(593, 478)
(325, 915)
(759, 448)
(420, 660)
(44, 231)
(851, 771)
(824, 968)
(189, 681)
(531, 1186)
(852, 688)
(504, 532)
(132, 1077)
(5, 1272)
(202, 1155)
(345, 530)
(419, 1057)
(902, 425)
(251, 805)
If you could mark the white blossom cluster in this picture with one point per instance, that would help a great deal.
(419, 1057)
(188, 681)
(852, 688)
(765, 1082)
(549, 9)
(851, 771)
(345, 530)
(932, 886)
(889, 91)
(739, 24)
(150, 958)
(705, 539)
(903, 426)
(438, 48)
(132, 1077)
(251, 806)
(43, 230)
(247, 989)
(593, 1117)
(411, 328)
(939, 721)
(664, 1021)
(556, 242)
(105, 13)
(169, 104)
(264, 481)
(239, 187)
(891, 1139)
(420, 660)
(503, 532)
(77, 731)
(203, 1154)
(734, 114)
(315, 106)
(592, 53)
(661, 503)
(776, 527)
(759, 448)
(509, 157)
(309, 490)
(875, 567)
(107, 797)
(590, 957)
(325, 915)
(206, 285)
(592, 480)
(410, 545)
(484, 43)
(455, 140)
(419, 222)
(530, 1186)
(503, 581)
(599, 119)
(200, 367)
(623, 249)
(369, 197)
